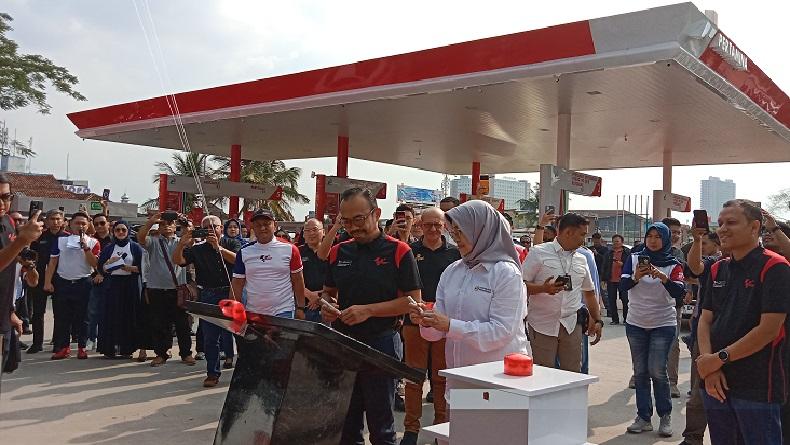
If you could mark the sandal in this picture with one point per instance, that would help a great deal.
(142, 356)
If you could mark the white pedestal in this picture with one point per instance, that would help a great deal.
(487, 406)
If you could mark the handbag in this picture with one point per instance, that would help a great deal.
(184, 292)
(583, 318)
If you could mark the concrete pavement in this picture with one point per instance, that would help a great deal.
(121, 402)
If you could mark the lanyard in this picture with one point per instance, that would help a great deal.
(562, 262)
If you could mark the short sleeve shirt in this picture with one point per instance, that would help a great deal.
(159, 276)
(375, 272)
(210, 268)
(738, 293)
(431, 264)
(314, 268)
(267, 270)
(72, 264)
(7, 276)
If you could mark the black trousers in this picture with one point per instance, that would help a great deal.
(612, 291)
(164, 312)
(37, 307)
(70, 304)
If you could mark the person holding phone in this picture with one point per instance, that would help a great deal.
(403, 224)
(653, 277)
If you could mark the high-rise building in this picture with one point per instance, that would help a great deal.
(510, 189)
(714, 192)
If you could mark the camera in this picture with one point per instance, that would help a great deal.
(200, 233)
(28, 254)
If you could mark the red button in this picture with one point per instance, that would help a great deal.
(518, 364)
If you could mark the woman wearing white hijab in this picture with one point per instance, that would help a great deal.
(481, 299)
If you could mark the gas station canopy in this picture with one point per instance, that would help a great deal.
(634, 86)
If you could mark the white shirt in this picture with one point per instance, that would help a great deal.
(548, 312)
(72, 264)
(649, 303)
(125, 253)
(486, 306)
(267, 269)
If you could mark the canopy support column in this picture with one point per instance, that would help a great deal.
(342, 156)
(235, 176)
(162, 192)
(475, 177)
(563, 153)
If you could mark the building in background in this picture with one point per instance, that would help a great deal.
(714, 192)
(610, 222)
(510, 189)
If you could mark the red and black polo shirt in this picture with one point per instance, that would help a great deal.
(738, 293)
(378, 271)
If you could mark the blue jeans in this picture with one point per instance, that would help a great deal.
(95, 310)
(212, 334)
(739, 421)
(374, 393)
(649, 355)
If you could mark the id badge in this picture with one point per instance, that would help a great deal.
(568, 282)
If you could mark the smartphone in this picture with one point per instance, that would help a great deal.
(549, 209)
(644, 260)
(701, 219)
(200, 233)
(170, 215)
(35, 206)
(106, 195)
(562, 279)
(62, 209)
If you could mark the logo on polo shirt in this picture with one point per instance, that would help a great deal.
(343, 263)
(719, 283)
(265, 258)
(748, 283)
(380, 261)
(419, 257)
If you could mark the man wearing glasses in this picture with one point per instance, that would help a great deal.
(11, 244)
(433, 255)
(369, 283)
(101, 227)
(213, 258)
(314, 268)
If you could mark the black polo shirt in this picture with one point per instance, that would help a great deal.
(738, 293)
(431, 264)
(314, 268)
(211, 271)
(369, 273)
(43, 246)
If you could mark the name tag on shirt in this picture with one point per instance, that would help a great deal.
(483, 289)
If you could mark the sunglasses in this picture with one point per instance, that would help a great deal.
(6, 197)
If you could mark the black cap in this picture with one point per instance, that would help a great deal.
(262, 213)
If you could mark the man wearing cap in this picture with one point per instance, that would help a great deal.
(369, 282)
(270, 271)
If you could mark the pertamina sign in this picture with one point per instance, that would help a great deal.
(724, 47)
(574, 182)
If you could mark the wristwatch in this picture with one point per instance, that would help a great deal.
(724, 356)
(600, 322)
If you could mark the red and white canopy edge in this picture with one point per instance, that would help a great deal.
(632, 90)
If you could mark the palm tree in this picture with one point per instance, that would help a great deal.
(273, 173)
(184, 164)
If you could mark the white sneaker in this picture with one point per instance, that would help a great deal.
(90, 345)
(665, 427)
(640, 425)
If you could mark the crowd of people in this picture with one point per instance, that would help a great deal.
(444, 288)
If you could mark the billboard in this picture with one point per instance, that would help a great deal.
(414, 194)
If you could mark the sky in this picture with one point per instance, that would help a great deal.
(210, 43)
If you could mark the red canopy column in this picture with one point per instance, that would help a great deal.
(235, 176)
(342, 156)
(162, 192)
(475, 177)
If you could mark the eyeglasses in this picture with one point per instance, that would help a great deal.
(358, 220)
(429, 226)
(313, 230)
(6, 197)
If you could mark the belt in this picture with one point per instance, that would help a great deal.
(75, 281)
(213, 288)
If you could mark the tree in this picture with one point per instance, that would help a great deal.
(779, 203)
(188, 164)
(527, 213)
(273, 173)
(23, 77)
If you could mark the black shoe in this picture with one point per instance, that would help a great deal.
(409, 438)
(614, 322)
(429, 397)
(34, 348)
(27, 331)
(228, 364)
(399, 405)
(23, 346)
